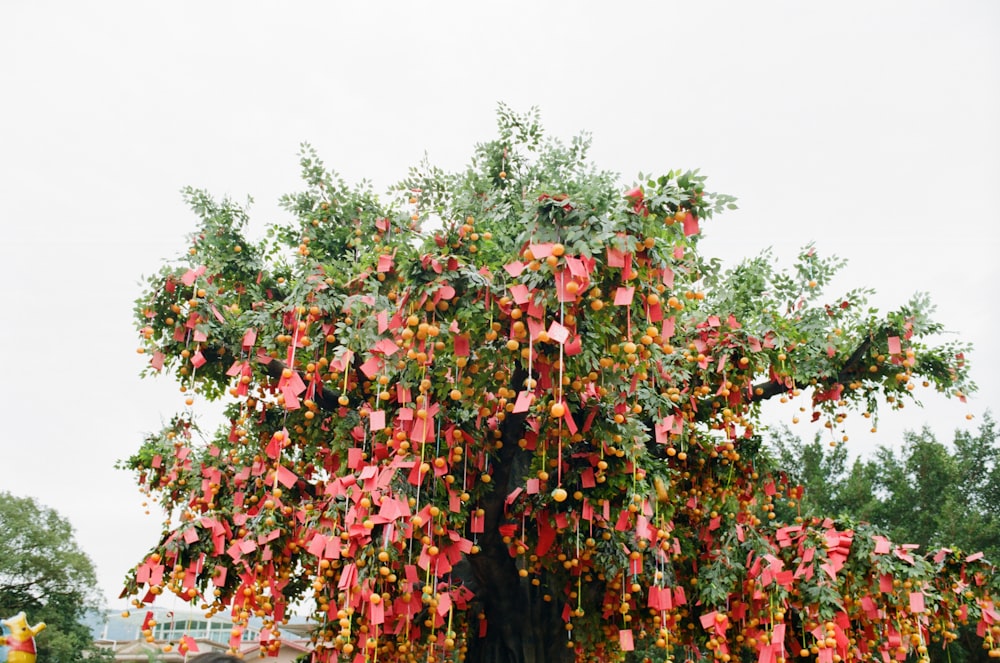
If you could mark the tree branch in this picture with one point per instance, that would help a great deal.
(326, 399)
(771, 388)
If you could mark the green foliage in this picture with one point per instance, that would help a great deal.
(44, 574)
(924, 492)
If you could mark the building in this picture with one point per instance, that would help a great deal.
(162, 651)
(170, 625)
(176, 636)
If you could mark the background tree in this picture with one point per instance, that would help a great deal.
(926, 493)
(509, 415)
(45, 574)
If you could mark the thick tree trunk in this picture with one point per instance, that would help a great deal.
(521, 625)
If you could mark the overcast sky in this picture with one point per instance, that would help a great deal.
(871, 128)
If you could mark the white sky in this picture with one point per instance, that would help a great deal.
(872, 128)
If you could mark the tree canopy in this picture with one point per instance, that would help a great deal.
(511, 414)
(44, 574)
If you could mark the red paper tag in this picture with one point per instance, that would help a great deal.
(515, 268)
(523, 402)
(623, 296)
(558, 333)
(285, 476)
(690, 224)
(520, 294)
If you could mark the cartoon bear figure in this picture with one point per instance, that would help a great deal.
(21, 641)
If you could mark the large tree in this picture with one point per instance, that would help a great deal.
(508, 414)
(44, 574)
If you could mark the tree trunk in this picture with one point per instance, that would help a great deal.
(521, 625)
